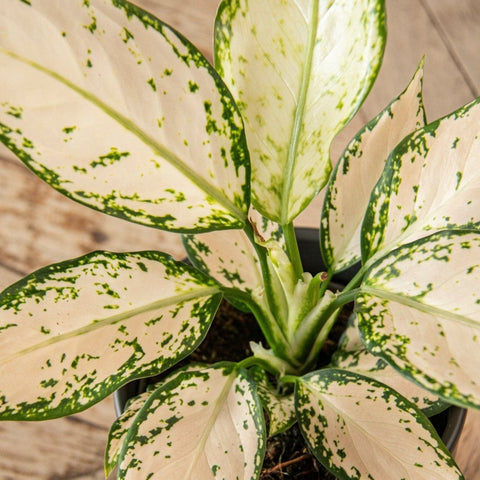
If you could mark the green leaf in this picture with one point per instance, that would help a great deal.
(419, 309)
(122, 114)
(360, 428)
(120, 428)
(87, 326)
(204, 424)
(119, 431)
(227, 256)
(431, 182)
(280, 406)
(358, 359)
(236, 266)
(357, 172)
(299, 71)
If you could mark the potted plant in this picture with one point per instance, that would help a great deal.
(120, 112)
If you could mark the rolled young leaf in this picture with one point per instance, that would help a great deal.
(77, 330)
(419, 309)
(358, 170)
(360, 428)
(431, 182)
(299, 71)
(203, 424)
(119, 112)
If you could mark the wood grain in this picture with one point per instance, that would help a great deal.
(40, 226)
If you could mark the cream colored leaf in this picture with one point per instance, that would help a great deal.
(299, 70)
(358, 170)
(352, 355)
(76, 331)
(359, 428)
(114, 109)
(431, 183)
(419, 308)
(204, 424)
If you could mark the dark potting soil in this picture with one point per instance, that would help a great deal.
(286, 455)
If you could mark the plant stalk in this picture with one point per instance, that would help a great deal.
(292, 249)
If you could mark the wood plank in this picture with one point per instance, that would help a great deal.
(466, 452)
(67, 448)
(193, 22)
(41, 226)
(411, 34)
(458, 24)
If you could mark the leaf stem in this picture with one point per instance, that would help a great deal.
(261, 252)
(292, 249)
(272, 331)
(355, 281)
(288, 379)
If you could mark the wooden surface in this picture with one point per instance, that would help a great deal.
(39, 226)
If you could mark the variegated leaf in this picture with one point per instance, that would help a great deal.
(86, 326)
(116, 110)
(204, 424)
(299, 71)
(351, 341)
(431, 182)
(361, 361)
(280, 406)
(119, 431)
(360, 428)
(358, 170)
(419, 308)
(229, 256)
(120, 428)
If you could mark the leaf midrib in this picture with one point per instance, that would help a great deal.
(219, 404)
(359, 426)
(133, 128)
(297, 125)
(422, 307)
(111, 320)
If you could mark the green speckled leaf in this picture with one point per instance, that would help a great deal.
(229, 256)
(358, 359)
(77, 330)
(419, 308)
(299, 70)
(359, 428)
(121, 426)
(280, 407)
(122, 114)
(431, 182)
(119, 431)
(204, 424)
(357, 172)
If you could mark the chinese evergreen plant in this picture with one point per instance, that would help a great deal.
(118, 111)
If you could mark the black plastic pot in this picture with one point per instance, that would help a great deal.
(448, 423)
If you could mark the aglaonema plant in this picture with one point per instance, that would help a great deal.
(120, 112)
